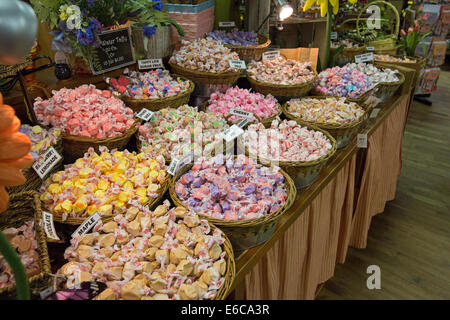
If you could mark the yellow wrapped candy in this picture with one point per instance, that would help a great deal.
(106, 210)
(103, 184)
(54, 188)
(80, 205)
(142, 192)
(85, 172)
(128, 185)
(66, 206)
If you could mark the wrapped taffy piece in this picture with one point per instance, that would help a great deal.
(108, 183)
(168, 253)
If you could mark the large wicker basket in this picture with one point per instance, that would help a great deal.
(206, 77)
(23, 207)
(34, 182)
(418, 65)
(157, 104)
(75, 147)
(282, 91)
(343, 133)
(360, 100)
(251, 52)
(386, 90)
(243, 234)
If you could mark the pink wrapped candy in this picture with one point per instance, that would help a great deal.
(85, 111)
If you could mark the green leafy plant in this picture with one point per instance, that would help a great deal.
(410, 40)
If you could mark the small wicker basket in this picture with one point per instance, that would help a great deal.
(23, 207)
(418, 65)
(206, 77)
(360, 100)
(243, 234)
(251, 52)
(343, 133)
(157, 104)
(347, 55)
(386, 90)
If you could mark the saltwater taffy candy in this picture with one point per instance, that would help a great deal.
(388, 58)
(23, 240)
(41, 138)
(85, 111)
(376, 75)
(346, 81)
(204, 55)
(345, 42)
(232, 189)
(281, 71)
(286, 141)
(108, 183)
(235, 37)
(154, 84)
(243, 99)
(177, 132)
(167, 254)
(330, 110)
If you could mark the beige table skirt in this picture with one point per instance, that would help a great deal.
(307, 253)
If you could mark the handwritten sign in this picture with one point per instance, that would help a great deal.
(145, 114)
(115, 51)
(270, 55)
(365, 57)
(238, 64)
(87, 225)
(51, 158)
(150, 64)
(225, 24)
(49, 227)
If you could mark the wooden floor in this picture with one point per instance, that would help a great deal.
(410, 241)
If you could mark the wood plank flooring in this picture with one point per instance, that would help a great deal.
(410, 241)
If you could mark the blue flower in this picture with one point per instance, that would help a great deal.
(149, 30)
(94, 24)
(158, 5)
(85, 36)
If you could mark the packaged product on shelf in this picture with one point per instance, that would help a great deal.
(165, 254)
(108, 183)
(235, 37)
(86, 112)
(231, 188)
(176, 132)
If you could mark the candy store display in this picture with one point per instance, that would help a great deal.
(347, 81)
(108, 183)
(165, 254)
(204, 55)
(41, 138)
(170, 132)
(287, 141)
(235, 37)
(388, 58)
(346, 43)
(325, 111)
(281, 71)
(376, 75)
(86, 112)
(242, 99)
(23, 240)
(230, 188)
(155, 84)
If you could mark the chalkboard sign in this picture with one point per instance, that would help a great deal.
(115, 50)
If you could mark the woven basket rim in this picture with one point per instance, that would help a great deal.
(283, 86)
(326, 126)
(358, 100)
(264, 42)
(396, 83)
(127, 133)
(417, 59)
(165, 99)
(290, 190)
(206, 74)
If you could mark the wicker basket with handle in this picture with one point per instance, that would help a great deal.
(251, 52)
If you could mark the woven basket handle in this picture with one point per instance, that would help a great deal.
(397, 22)
(30, 113)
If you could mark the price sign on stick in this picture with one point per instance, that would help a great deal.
(241, 113)
(51, 158)
(361, 140)
(365, 57)
(232, 133)
(87, 225)
(145, 114)
(150, 64)
(238, 64)
(270, 55)
(226, 24)
(176, 164)
(49, 227)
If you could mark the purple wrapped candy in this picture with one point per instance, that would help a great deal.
(235, 37)
(250, 189)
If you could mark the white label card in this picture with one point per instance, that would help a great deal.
(370, 48)
(51, 158)
(374, 113)
(232, 133)
(241, 113)
(238, 64)
(224, 24)
(87, 225)
(270, 55)
(373, 101)
(176, 164)
(173, 166)
(333, 35)
(49, 227)
(150, 64)
(365, 57)
(145, 114)
(361, 141)
(242, 123)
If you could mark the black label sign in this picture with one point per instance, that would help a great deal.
(115, 50)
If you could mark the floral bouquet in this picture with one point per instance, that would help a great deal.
(409, 40)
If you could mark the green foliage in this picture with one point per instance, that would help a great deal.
(47, 10)
(333, 56)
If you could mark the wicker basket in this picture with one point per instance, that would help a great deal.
(391, 52)
(343, 133)
(157, 104)
(23, 207)
(251, 52)
(34, 182)
(361, 100)
(282, 91)
(417, 66)
(347, 55)
(75, 221)
(386, 90)
(243, 234)
(206, 77)
(75, 147)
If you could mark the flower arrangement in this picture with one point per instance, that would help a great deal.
(410, 39)
(77, 23)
